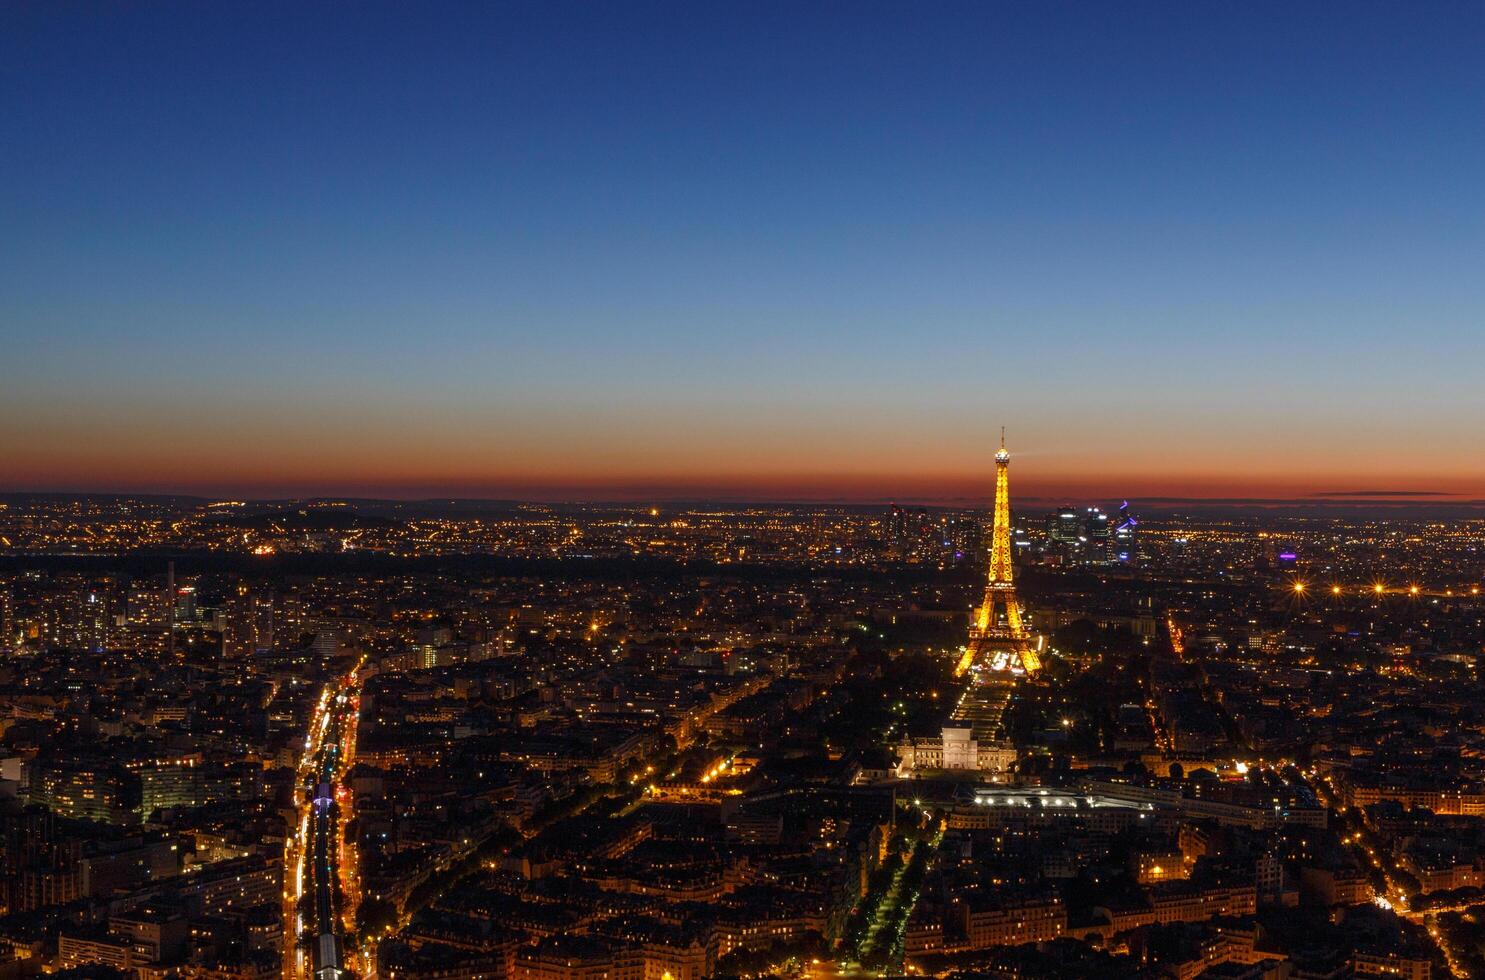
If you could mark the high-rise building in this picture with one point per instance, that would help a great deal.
(325, 644)
(148, 606)
(966, 538)
(912, 533)
(1099, 531)
(76, 619)
(90, 789)
(1125, 541)
(93, 627)
(897, 520)
(185, 604)
(289, 620)
(147, 616)
(187, 783)
(9, 630)
(248, 624)
(1065, 525)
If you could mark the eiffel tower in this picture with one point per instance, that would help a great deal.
(1000, 642)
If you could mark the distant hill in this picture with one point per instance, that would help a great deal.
(306, 521)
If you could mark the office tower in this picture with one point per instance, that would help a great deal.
(1126, 544)
(1065, 525)
(1099, 531)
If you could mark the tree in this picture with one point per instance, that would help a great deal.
(374, 916)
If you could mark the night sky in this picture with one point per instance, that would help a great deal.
(742, 249)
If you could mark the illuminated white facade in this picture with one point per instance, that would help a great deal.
(955, 750)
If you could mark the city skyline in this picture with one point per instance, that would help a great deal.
(524, 490)
(556, 252)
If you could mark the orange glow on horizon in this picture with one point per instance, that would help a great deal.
(279, 457)
(948, 489)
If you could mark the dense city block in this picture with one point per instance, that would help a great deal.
(361, 738)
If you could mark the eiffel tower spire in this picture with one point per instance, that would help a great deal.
(994, 643)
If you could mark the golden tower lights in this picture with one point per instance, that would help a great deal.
(992, 643)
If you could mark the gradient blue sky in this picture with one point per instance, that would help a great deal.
(773, 249)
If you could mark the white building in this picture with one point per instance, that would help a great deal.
(955, 750)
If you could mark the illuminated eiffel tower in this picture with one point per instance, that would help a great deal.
(1000, 642)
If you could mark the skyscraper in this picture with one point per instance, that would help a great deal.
(7, 621)
(1065, 525)
(248, 625)
(1099, 532)
(1125, 543)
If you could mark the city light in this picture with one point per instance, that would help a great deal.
(348, 353)
(719, 658)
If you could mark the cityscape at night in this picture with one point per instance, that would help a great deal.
(659, 491)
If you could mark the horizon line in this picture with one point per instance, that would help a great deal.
(1330, 499)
